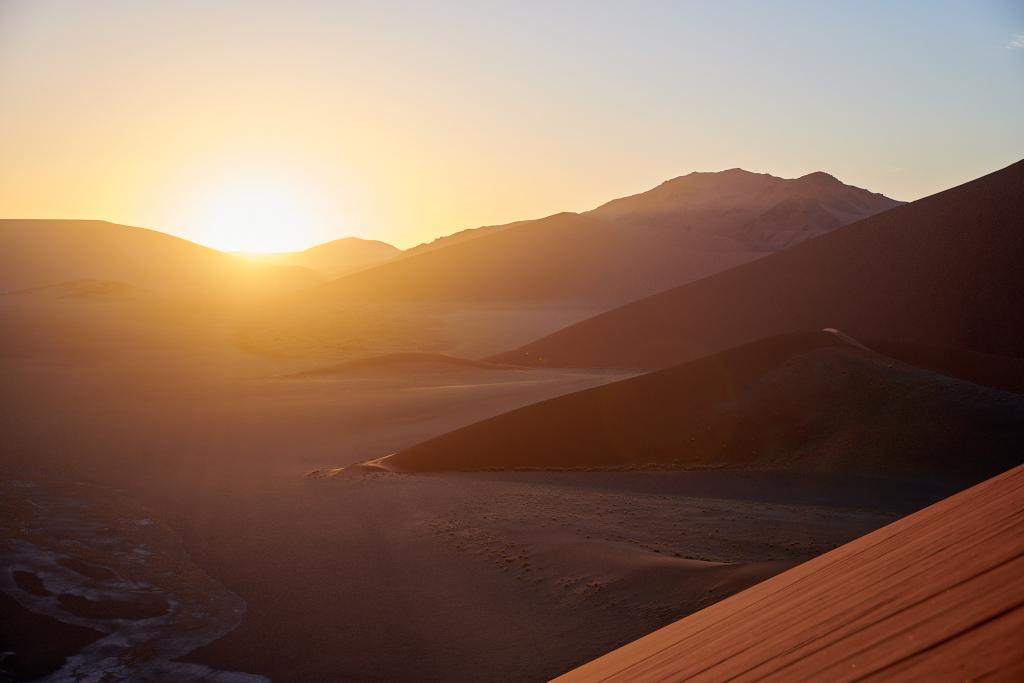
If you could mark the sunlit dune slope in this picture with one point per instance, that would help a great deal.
(39, 253)
(814, 401)
(686, 228)
(942, 272)
(335, 258)
(935, 596)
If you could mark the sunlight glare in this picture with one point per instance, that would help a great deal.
(256, 218)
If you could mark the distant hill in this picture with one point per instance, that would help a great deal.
(41, 253)
(336, 258)
(812, 401)
(685, 229)
(944, 271)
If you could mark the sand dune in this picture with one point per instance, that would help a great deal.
(937, 272)
(40, 253)
(685, 229)
(807, 401)
(934, 596)
(562, 258)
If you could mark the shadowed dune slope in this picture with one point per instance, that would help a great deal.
(562, 258)
(806, 401)
(935, 596)
(1000, 372)
(687, 228)
(940, 272)
(40, 253)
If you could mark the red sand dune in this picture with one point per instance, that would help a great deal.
(684, 229)
(941, 272)
(814, 400)
(936, 596)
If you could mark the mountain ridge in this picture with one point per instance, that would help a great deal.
(615, 253)
(933, 272)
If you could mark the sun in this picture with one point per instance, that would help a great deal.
(255, 217)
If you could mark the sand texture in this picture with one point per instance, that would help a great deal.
(935, 596)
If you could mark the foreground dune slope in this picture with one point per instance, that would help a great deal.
(815, 400)
(933, 272)
(934, 596)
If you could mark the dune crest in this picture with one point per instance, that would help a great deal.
(810, 401)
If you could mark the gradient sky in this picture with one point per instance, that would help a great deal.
(405, 120)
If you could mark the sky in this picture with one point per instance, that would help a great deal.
(268, 126)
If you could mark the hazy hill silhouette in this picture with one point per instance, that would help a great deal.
(818, 401)
(940, 272)
(40, 253)
(335, 258)
(454, 238)
(685, 229)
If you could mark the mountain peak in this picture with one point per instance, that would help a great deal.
(820, 178)
(733, 172)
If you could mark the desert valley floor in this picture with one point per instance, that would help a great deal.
(302, 577)
(366, 479)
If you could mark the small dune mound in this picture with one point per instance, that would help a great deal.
(817, 400)
(403, 364)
